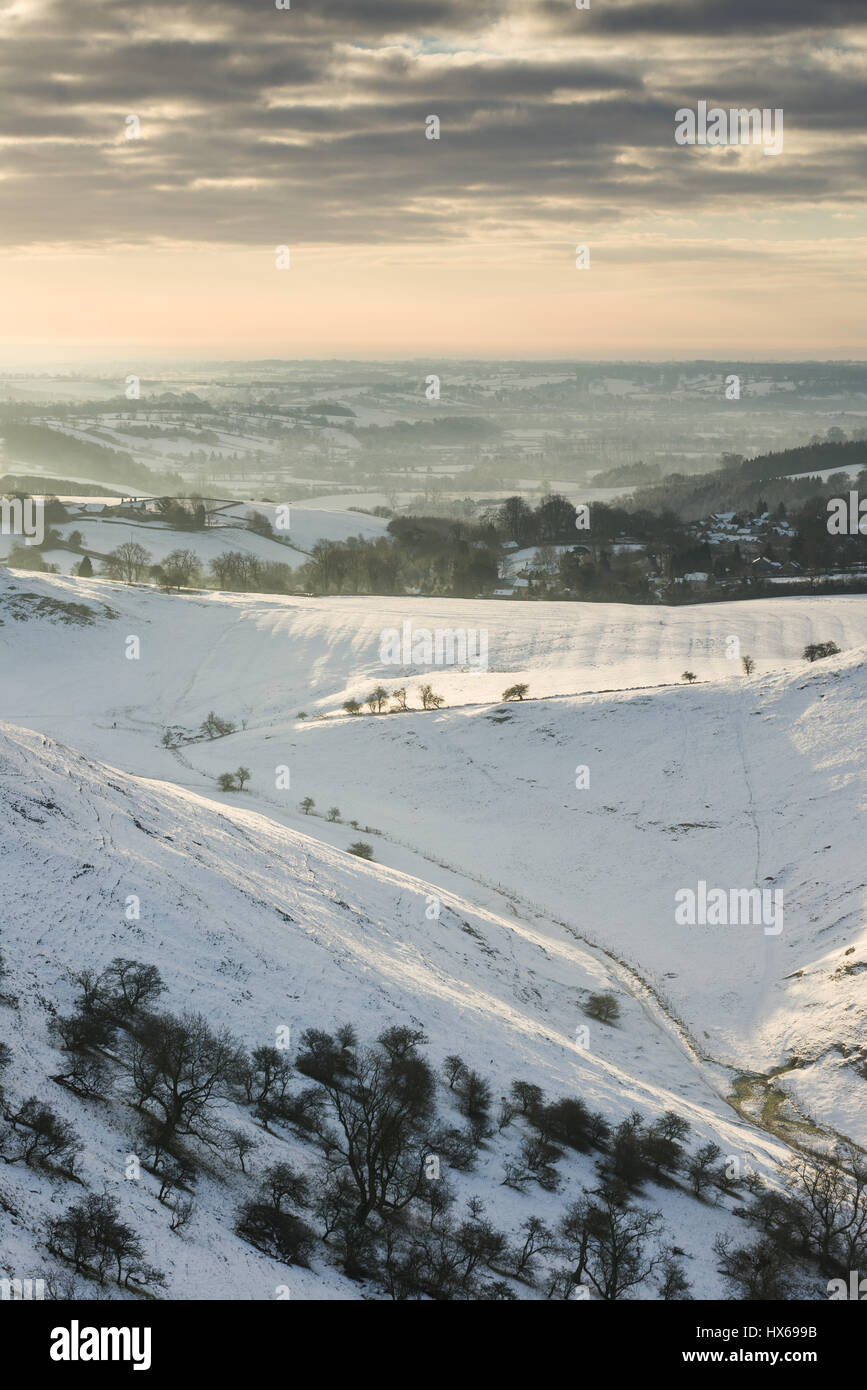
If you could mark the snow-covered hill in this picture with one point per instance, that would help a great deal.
(265, 927)
(549, 889)
(101, 534)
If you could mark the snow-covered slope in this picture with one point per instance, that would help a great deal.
(263, 927)
(292, 546)
(283, 654)
(550, 888)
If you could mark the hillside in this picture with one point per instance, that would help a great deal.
(266, 927)
(101, 534)
(549, 890)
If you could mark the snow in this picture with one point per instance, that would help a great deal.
(740, 782)
(216, 887)
(823, 474)
(527, 556)
(309, 524)
(292, 546)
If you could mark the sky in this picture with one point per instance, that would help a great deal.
(256, 128)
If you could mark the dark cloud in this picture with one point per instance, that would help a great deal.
(698, 17)
(317, 115)
(339, 20)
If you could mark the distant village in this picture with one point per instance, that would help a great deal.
(183, 542)
(724, 551)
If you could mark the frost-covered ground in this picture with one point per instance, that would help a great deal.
(548, 889)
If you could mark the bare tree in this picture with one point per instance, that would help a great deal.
(93, 1238)
(760, 1272)
(180, 1067)
(429, 699)
(376, 700)
(538, 1240)
(129, 562)
(242, 1144)
(216, 727)
(38, 1137)
(827, 1206)
(179, 569)
(381, 1105)
(607, 1238)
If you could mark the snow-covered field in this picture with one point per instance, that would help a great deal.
(555, 832)
(102, 534)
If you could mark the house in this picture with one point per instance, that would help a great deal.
(764, 568)
(774, 569)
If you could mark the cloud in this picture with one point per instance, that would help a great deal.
(694, 18)
(260, 126)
